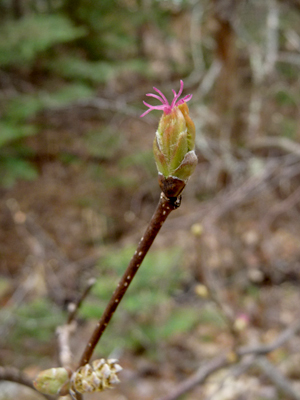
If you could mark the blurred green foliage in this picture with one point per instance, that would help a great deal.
(289, 127)
(104, 144)
(93, 72)
(34, 323)
(12, 168)
(25, 106)
(11, 131)
(149, 312)
(56, 52)
(287, 97)
(16, 124)
(21, 41)
(144, 159)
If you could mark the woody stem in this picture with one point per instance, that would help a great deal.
(164, 208)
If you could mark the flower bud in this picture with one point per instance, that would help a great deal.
(174, 143)
(101, 375)
(241, 323)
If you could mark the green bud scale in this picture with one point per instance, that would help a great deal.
(174, 142)
(51, 380)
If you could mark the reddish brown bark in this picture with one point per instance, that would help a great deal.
(226, 53)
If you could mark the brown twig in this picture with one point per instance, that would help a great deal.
(198, 377)
(164, 208)
(277, 378)
(286, 335)
(14, 375)
(75, 306)
(64, 332)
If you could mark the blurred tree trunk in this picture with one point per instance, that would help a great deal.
(71, 9)
(3, 11)
(226, 53)
(17, 9)
(230, 96)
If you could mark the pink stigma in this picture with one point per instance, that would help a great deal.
(165, 106)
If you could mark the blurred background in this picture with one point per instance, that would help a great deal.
(78, 184)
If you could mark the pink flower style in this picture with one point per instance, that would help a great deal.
(165, 106)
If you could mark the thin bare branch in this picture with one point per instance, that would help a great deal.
(195, 38)
(286, 335)
(75, 306)
(289, 57)
(65, 331)
(272, 25)
(198, 377)
(285, 144)
(210, 78)
(63, 338)
(276, 377)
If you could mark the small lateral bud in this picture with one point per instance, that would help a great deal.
(101, 375)
(201, 290)
(51, 380)
(241, 323)
(197, 229)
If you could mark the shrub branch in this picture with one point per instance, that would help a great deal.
(164, 208)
